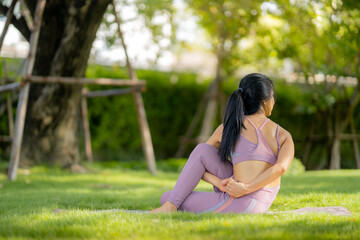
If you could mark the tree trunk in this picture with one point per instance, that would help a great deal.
(211, 108)
(67, 32)
(335, 154)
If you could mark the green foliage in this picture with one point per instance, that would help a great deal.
(172, 164)
(145, 15)
(170, 100)
(13, 67)
(320, 36)
(226, 23)
(171, 111)
(296, 168)
(166, 165)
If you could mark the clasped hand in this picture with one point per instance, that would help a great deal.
(233, 188)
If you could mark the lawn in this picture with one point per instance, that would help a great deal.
(26, 207)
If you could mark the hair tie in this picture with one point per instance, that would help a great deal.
(240, 89)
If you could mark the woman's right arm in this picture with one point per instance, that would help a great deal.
(285, 157)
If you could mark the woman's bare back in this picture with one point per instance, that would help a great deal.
(246, 171)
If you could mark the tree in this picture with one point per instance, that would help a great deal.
(226, 22)
(321, 37)
(67, 32)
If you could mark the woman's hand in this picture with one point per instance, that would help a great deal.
(225, 181)
(222, 184)
(235, 189)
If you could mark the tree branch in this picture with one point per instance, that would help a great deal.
(19, 24)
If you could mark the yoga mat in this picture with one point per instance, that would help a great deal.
(333, 210)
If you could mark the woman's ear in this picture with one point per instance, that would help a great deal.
(264, 103)
(265, 107)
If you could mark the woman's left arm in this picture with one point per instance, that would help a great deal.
(214, 180)
(285, 157)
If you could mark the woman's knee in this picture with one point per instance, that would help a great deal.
(260, 208)
(165, 197)
(205, 147)
(205, 150)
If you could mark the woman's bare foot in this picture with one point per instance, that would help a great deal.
(167, 207)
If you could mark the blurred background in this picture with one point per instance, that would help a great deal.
(192, 55)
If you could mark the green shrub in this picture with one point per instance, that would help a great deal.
(171, 100)
(296, 168)
(171, 164)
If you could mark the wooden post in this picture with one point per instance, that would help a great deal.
(9, 16)
(10, 115)
(9, 105)
(10, 87)
(85, 125)
(26, 13)
(74, 80)
(24, 94)
(141, 115)
(112, 92)
(5, 139)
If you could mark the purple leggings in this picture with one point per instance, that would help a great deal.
(203, 158)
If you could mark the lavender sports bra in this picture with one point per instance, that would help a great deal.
(247, 150)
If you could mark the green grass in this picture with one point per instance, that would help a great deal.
(26, 207)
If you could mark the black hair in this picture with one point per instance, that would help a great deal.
(255, 88)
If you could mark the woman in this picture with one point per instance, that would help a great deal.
(243, 159)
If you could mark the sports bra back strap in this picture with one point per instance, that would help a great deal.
(251, 122)
(263, 123)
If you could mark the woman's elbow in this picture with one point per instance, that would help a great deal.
(281, 169)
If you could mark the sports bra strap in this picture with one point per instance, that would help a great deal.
(250, 122)
(254, 124)
(263, 123)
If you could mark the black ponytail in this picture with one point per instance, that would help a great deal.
(246, 100)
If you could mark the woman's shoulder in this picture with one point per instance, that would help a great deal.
(219, 131)
(215, 138)
(283, 133)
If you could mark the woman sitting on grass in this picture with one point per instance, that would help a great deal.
(243, 160)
